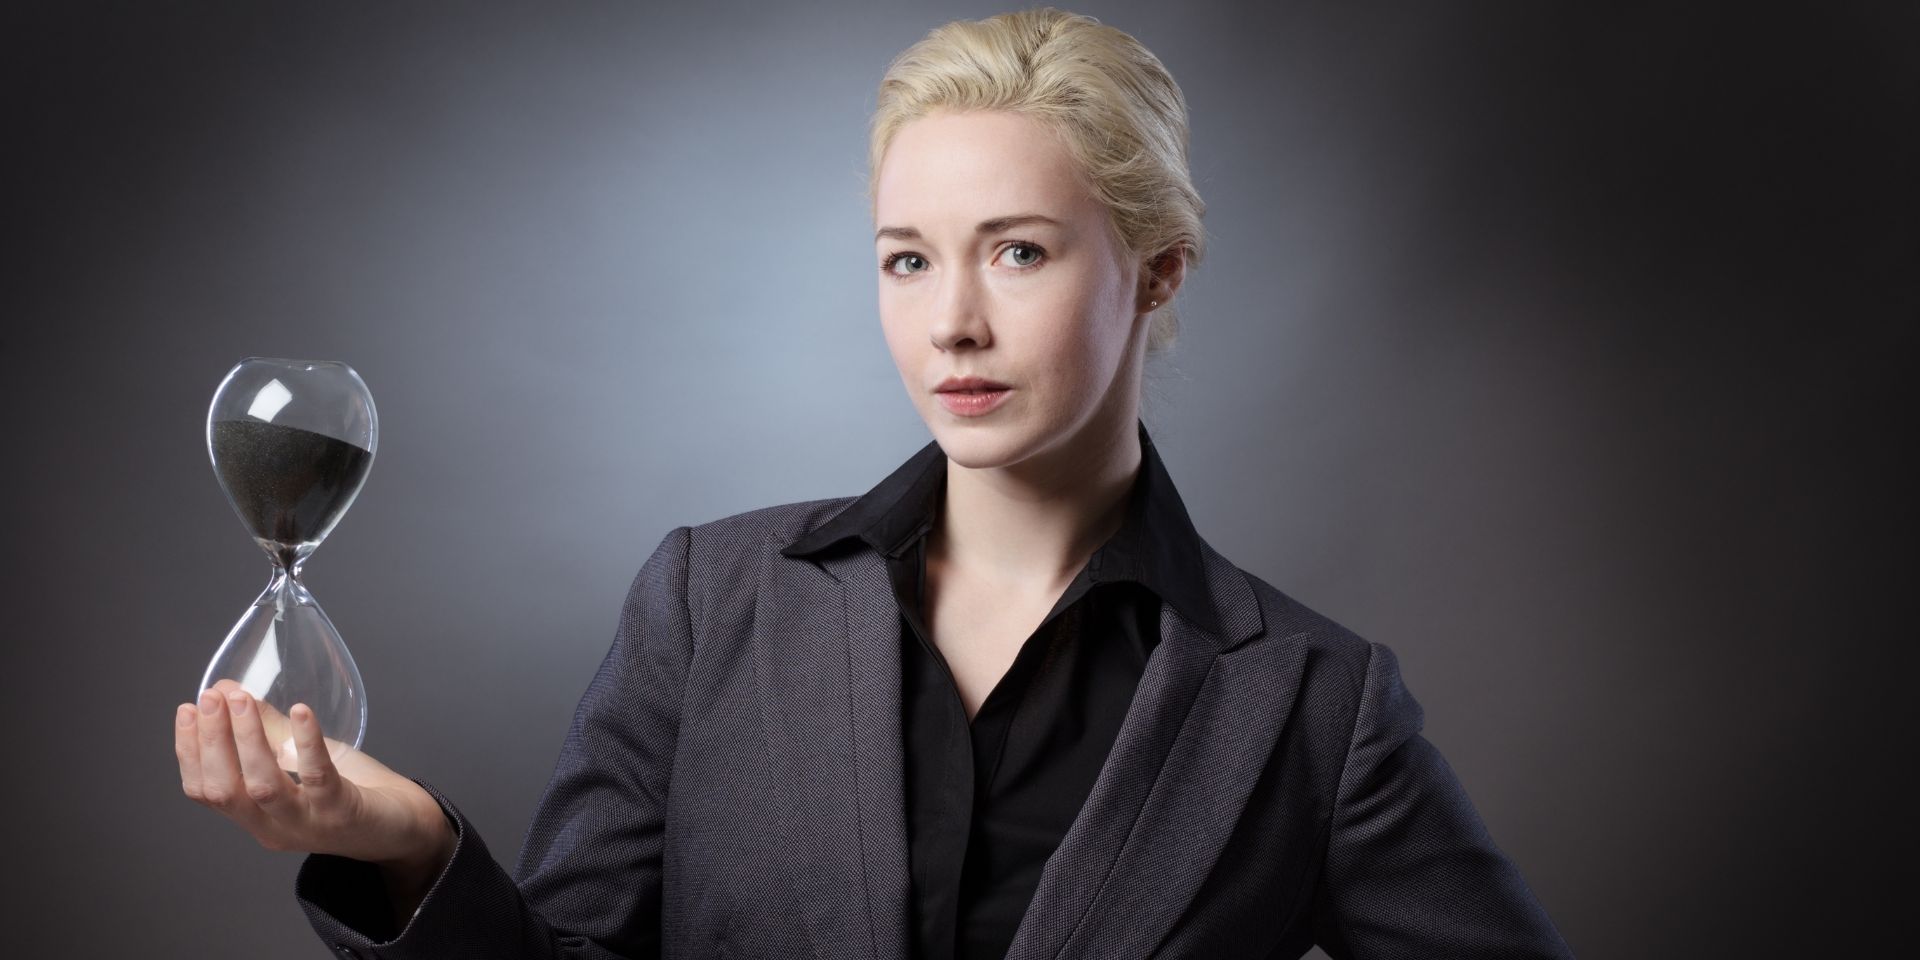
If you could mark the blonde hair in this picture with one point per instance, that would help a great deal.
(1116, 108)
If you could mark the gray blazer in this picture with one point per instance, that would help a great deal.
(731, 787)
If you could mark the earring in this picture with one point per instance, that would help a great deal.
(1153, 303)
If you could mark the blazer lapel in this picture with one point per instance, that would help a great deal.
(1167, 798)
(827, 663)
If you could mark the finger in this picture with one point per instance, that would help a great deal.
(279, 731)
(266, 784)
(221, 786)
(186, 748)
(317, 773)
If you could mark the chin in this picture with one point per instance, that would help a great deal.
(983, 442)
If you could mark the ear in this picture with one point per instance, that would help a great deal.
(1161, 278)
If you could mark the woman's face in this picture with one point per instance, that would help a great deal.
(1051, 309)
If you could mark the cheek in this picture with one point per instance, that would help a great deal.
(901, 343)
(892, 322)
(1061, 358)
(1080, 340)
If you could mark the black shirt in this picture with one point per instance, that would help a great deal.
(988, 802)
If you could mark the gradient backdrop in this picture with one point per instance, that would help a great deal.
(1561, 349)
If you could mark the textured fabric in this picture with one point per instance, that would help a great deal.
(1267, 787)
(988, 801)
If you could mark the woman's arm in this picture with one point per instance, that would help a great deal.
(1410, 870)
(587, 885)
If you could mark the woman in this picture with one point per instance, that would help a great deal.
(1008, 702)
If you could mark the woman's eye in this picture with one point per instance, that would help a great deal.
(1025, 260)
(1033, 253)
(886, 266)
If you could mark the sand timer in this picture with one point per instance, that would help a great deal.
(291, 442)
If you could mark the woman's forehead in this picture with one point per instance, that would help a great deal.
(948, 172)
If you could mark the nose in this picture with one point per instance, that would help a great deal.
(960, 315)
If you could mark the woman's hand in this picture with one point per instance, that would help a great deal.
(346, 803)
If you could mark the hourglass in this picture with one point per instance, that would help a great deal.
(291, 442)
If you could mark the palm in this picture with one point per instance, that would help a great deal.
(295, 789)
(354, 765)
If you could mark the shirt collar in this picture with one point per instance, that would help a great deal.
(1156, 545)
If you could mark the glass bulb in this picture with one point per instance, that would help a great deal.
(291, 443)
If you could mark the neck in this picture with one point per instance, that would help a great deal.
(1033, 524)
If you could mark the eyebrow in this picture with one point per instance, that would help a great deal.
(994, 225)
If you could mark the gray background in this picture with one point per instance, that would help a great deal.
(1560, 349)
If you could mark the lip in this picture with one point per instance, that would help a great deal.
(973, 403)
(969, 383)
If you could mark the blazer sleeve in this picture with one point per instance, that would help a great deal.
(1410, 870)
(587, 883)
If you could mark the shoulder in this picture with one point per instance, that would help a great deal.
(750, 533)
(744, 537)
(1290, 622)
(721, 558)
(1340, 670)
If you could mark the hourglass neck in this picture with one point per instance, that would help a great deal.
(287, 557)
